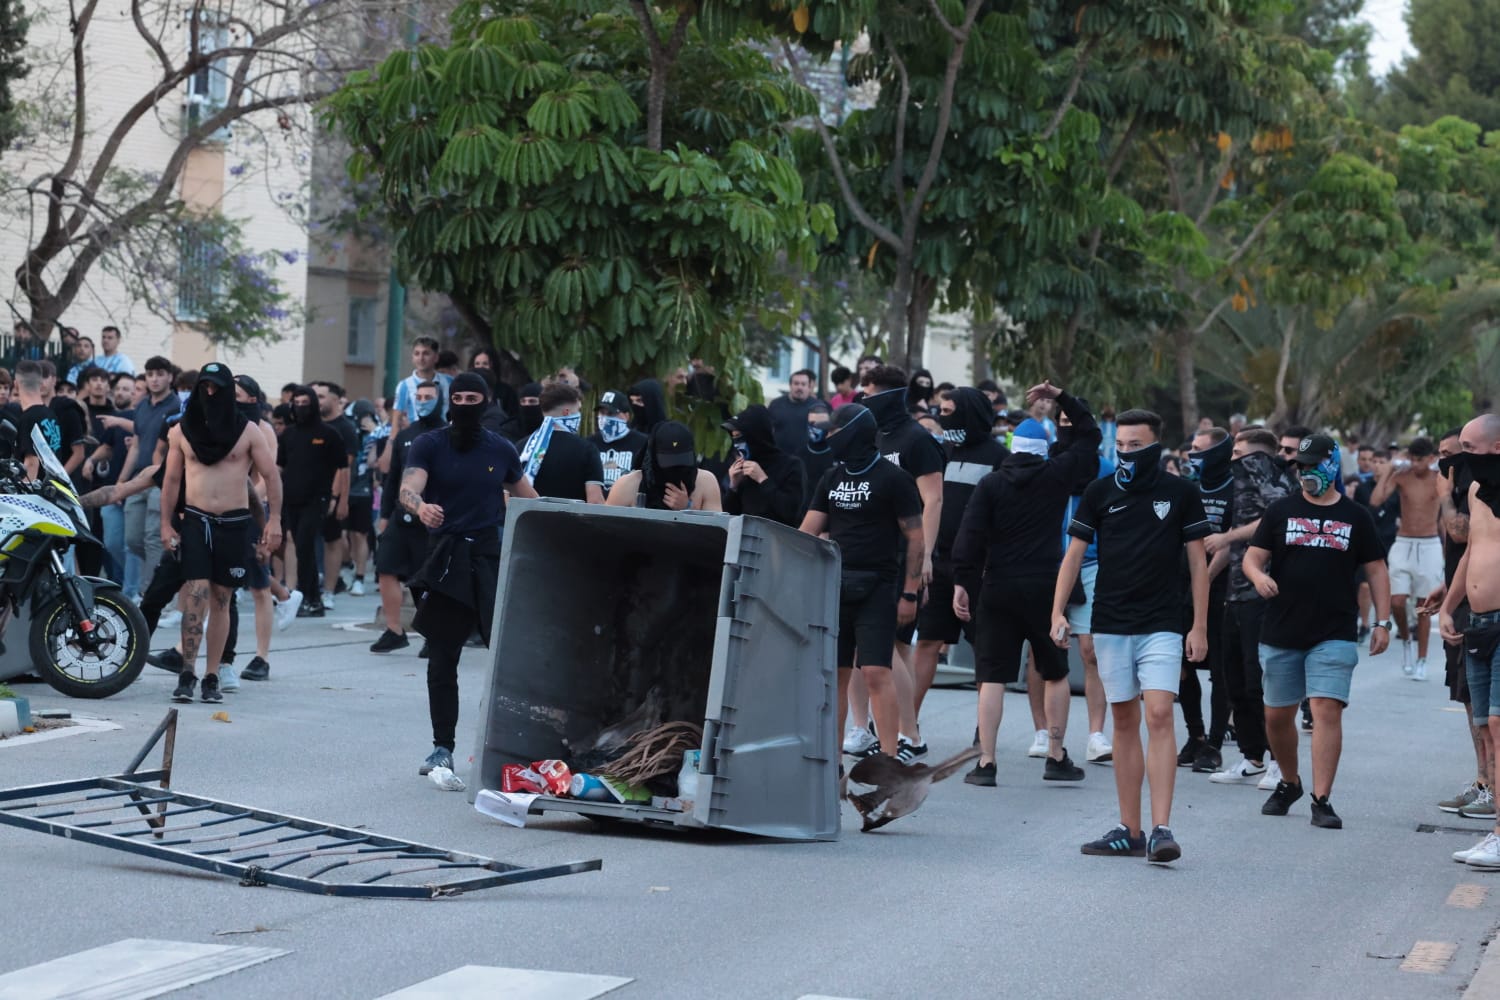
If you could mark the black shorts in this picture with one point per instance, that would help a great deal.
(259, 576)
(333, 528)
(1456, 675)
(361, 515)
(216, 547)
(1013, 611)
(867, 619)
(401, 551)
(936, 620)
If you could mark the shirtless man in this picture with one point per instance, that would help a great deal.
(209, 457)
(1478, 579)
(250, 401)
(1416, 560)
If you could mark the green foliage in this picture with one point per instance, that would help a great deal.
(6, 692)
(1454, 71)
(13, 68)
(513, 169)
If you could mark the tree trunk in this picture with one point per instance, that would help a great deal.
(923, 294)
(896, 311)
(1187, 379)
(979, 347)
(1279, 415)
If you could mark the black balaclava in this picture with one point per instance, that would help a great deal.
(254, 410)
(888, 408)
(531, 414)
(464, 429)
(972, 419)
(757, 434)
(305, 414)
(1137, 470)
(211, 422)
(1211, 465)
(1484, 469)
(654, 478)
(918, 394)
(817, 434)
(851, 437)
(653, 406)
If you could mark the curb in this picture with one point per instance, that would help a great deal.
(15, 715)
(1486, 982)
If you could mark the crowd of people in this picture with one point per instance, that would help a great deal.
(1262, 557)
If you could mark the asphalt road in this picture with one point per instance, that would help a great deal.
(982, 893)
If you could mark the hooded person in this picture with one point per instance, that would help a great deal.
(648, 404)
(764, 481)
(1005, 568)
(211, 422)
(528, 416)
(669, 477)
(817, 457)
(919, 390)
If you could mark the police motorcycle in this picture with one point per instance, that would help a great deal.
(86, 638)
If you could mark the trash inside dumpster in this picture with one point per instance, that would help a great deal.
(673, 668)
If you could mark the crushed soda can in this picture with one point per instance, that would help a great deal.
(586, 786)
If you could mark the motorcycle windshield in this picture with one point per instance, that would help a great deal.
(44, 454)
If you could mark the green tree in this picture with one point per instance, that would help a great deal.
(13, 68)
(1454, 70)
(587, 189)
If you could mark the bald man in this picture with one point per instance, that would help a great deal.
(1478, 578)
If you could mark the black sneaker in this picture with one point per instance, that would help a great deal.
(1306, 717)
(186, 685)
(1062, 770)
(908, 752)
(873, 750)
(983, 775)
(1208, 761)
(976, 737)
(311, 611)
(1117, 843)
(1282, 799)
(422, 653)
(1324, 816)
(1162, 848)
(256, 670)
(210, 692)
(389, 642)
(167, 659)
(1190, 751)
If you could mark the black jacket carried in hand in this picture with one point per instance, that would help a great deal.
(1013, 523)
(780, 497)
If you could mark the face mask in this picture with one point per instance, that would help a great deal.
(1211, 465)
(531, 417)
(1138, 466)
(742, 449)
(954, 431)
(570, 423)
(426, 408)
(250, 410)
(817, 433)
(611, 429)
(466, 414)
(1485, 470)
(305, 413)
(182, 397)
(1318, 479)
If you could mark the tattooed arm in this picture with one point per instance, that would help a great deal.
(413, 482)
(106, 495)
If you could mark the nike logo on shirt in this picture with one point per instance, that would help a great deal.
(1116, 510)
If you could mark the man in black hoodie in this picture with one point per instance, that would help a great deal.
(1006, 553)
(973, 453)
(764, 481)
(817, 457)
(402, 547)
(649, 405)
(520, 427)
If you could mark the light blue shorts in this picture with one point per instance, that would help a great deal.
(1325, 671)
(1130, 664)
(1081, 616)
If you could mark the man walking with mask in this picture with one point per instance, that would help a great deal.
(556, 461)
(310, 454)
(764, 481)
(1304, 560)
(455, 484)
(1209, 467)
(1143, 519)
(402, 545)
(620, 448)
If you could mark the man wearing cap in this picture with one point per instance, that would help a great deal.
(1304, 560)
(669, 477)
(455, 483)
(620, 448)
(209, 457)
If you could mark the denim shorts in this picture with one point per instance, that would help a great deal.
(1482, 665)
(1130, 664)
(1290, 675)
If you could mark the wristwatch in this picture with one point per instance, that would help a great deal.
(1387, 624)
(909, 596)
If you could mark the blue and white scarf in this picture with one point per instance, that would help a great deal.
(535, 451)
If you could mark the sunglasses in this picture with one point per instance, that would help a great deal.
(1288, 451)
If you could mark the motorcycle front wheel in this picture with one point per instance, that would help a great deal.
(63, 662)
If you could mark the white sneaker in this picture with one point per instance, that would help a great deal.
(1419, 671)
(1272, 778)
(357, 588)
(1242, 772)
(346, 573)
(327, 601)
(1464, 855)
(857, 740)
(1406, 666)
(1101, 751)
(228, 679)
(286, 611)
(1040, 746)
(1486, 854)
(169, 619)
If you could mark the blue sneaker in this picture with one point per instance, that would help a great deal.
(1162, 849)
(1117, 843)
(440, 757)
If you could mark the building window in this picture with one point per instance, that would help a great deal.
(198, 261)
(208, 87)
(361, 350)
(781, 364)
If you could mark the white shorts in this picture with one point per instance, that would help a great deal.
(1081, 616)
(1130, 664)
(1416, 566)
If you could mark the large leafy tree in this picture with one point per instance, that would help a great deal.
(1454, 70)
(13, 68)
(592, 182)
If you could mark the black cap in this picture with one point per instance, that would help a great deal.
(615, 402)
(217, 373)
(1315, 448)
(251, 386)
(673, 446)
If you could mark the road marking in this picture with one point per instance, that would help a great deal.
(487, 982)
(133, 968)
(1429, 956)
(1468, 896)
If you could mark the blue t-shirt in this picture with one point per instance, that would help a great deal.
(1091, 555)
(406, 395)
(468, 485)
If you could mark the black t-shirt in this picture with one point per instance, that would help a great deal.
(62, 427)
(913, 449)
(619, 456)
(468, 485)
(1140, 534)
(1385, 516)
(309, 456)
(864, 513)
(1218, 507)
(1315, 554)
(571, 464)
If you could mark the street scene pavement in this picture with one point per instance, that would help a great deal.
(981, 893)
